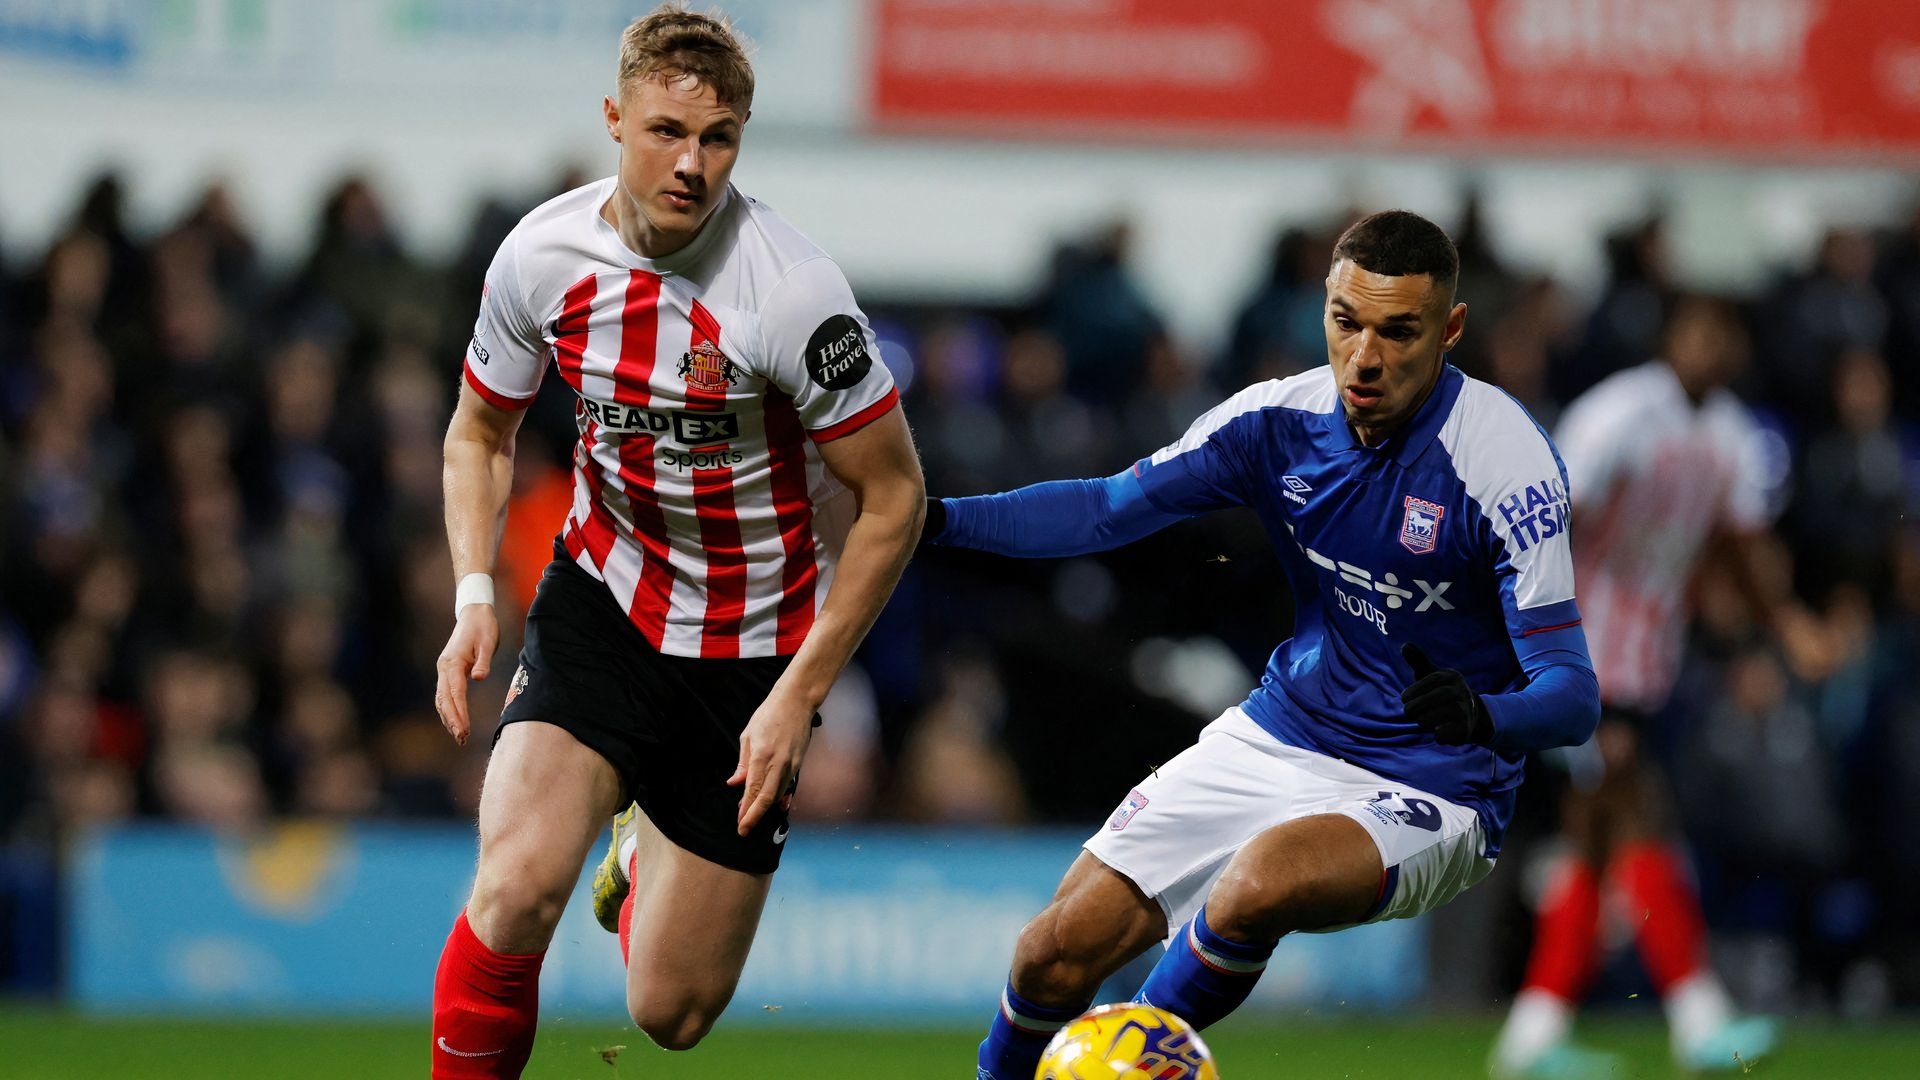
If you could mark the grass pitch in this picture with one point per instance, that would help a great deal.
(40, 1044)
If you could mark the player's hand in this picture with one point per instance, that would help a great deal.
(468, 655)
(771, 747)
(1440, 701)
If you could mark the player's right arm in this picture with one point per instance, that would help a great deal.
(501, 373)
(477, 478)
(1202, 471)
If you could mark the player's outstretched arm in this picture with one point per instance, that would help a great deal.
(477, 477)
(1208, 468)
(878, 464)
(1050, 520)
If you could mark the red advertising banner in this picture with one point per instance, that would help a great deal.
(1806, 79)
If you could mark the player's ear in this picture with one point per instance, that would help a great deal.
(1456, 328)
(610, 112)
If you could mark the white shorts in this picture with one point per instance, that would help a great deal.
(1174, 834)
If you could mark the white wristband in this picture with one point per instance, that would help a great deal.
(473, 589)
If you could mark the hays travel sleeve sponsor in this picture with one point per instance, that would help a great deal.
(820, 352)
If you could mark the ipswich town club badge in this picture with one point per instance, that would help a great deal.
(1420, 527)
(705, 367)
(1135, 803)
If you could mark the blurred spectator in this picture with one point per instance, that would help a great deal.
(1049, 433)
(1100, 318)
(1759, 789)
(1899, 280)
(1526, 344)
(1813, 318)
(1170, 397)
(357, 262)
(1485, 282)
(952, 772)
(1277, 332)
(1623, 328)
(955, 423)
(1853, 486)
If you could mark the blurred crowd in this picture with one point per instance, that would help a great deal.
(224, 579)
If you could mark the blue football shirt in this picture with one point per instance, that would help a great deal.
(1451, 535)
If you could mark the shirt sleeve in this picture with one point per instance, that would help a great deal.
(506, 355)
(1559, 706)
(820, 351)
(1516, 477)
(1207, 467)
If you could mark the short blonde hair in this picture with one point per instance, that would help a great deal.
(672, 42)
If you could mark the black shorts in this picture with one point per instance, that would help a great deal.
(669, 725)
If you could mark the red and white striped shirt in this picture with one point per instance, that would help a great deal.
(705, 380)
(1652, 477)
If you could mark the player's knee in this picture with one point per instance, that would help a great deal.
(515, 911)
(672, 1025)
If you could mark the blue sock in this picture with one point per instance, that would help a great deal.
(1204, 976)
(1020, 1032)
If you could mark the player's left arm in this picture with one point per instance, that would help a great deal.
(816, 349)
(1533, 573)
(878, 464)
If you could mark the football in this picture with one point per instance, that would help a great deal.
(1127, 1041)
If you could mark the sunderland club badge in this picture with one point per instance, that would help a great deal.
(705, 367)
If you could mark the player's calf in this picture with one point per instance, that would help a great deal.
(1308, 874)
(1097, 922)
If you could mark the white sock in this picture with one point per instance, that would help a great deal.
(1697, 1006)
(627, 847)
(1538, 1022)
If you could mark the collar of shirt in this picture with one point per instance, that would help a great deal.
(666, 264)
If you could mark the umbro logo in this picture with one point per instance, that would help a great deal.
(1297, 488)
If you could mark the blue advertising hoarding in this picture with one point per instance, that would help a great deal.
(864, 925)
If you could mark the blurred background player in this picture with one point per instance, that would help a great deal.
(684, 635)
(1668, 470)
(1415, 511)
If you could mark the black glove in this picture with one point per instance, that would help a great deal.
(1440, 701)
(936, 522)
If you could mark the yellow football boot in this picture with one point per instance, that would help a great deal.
(610, 884)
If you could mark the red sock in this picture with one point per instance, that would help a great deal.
(1668, 927)
(484, 1008)
(1566, 934)
(626, 907)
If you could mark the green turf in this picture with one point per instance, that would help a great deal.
(46, 1045)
